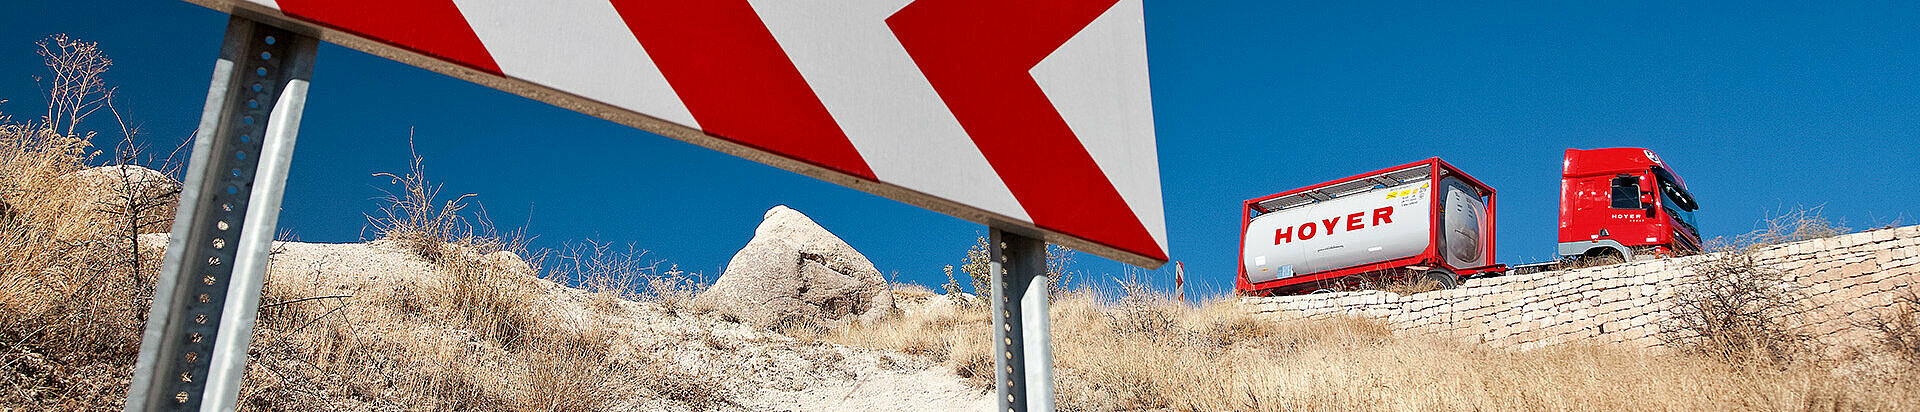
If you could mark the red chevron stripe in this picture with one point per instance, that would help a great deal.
(736, 80)
(977, 54)
(432, 27)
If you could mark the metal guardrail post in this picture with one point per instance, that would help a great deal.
(1022, 337)
(194, 351)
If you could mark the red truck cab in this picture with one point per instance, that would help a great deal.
(1624, 203)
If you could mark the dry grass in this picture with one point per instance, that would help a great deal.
(1141, 351)
(957, 338)
(414, 217)
(624, 274)
(484, 332)
(481, 332)
(1405, 284)
(74, 285)
(1583, 262)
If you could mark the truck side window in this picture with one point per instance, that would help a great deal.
(1626, 193)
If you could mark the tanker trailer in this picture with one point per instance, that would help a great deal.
(1422, 219)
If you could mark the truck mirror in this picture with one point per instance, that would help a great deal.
(1646, 201)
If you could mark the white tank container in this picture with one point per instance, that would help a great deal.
(1368, 227)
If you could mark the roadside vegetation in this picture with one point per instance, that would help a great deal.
(81, 244)
(1140, 350)
(484, 332)
(74, 278)
(1732, 345)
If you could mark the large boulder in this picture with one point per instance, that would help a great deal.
(794, 271)
(112, 190)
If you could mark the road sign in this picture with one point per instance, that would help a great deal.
(1029, 116)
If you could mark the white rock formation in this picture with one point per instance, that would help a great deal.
(795, 271)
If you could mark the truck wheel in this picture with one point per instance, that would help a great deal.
(1447, 279)
(1605, 256)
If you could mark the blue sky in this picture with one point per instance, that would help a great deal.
(1760, 108)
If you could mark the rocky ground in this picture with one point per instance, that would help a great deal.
(752, 367)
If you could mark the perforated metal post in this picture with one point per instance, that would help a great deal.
(1022, 338)
(194, 350)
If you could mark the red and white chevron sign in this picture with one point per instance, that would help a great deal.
(1032, 113)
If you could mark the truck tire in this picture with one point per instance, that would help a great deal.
(1606, 256)
(1447, 279)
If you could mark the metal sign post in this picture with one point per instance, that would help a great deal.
(1180, 282)
(194, 351)
(1022, 336)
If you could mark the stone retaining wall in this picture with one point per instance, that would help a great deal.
(1842, 279)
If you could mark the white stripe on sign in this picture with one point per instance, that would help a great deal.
(1098, 81)
(889, 111)
(268, 3)
(579, 46)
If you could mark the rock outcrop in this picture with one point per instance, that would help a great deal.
(794, 271)
(115, 189)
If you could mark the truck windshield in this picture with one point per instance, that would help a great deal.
(1676, 201)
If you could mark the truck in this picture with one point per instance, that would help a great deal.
(1428, 219)
(1624, 204)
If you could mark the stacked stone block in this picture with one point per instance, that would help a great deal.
(1840, 280)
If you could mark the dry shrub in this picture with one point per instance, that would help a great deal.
(415, 218)
(1896, 329)
(1142, 311)
(75, 85)
(486, 282)
(1734, 310)
(1060, 272)
(952, 287)
(614, 274)
(1801, 223)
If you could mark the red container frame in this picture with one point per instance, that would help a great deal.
(1425, 260)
